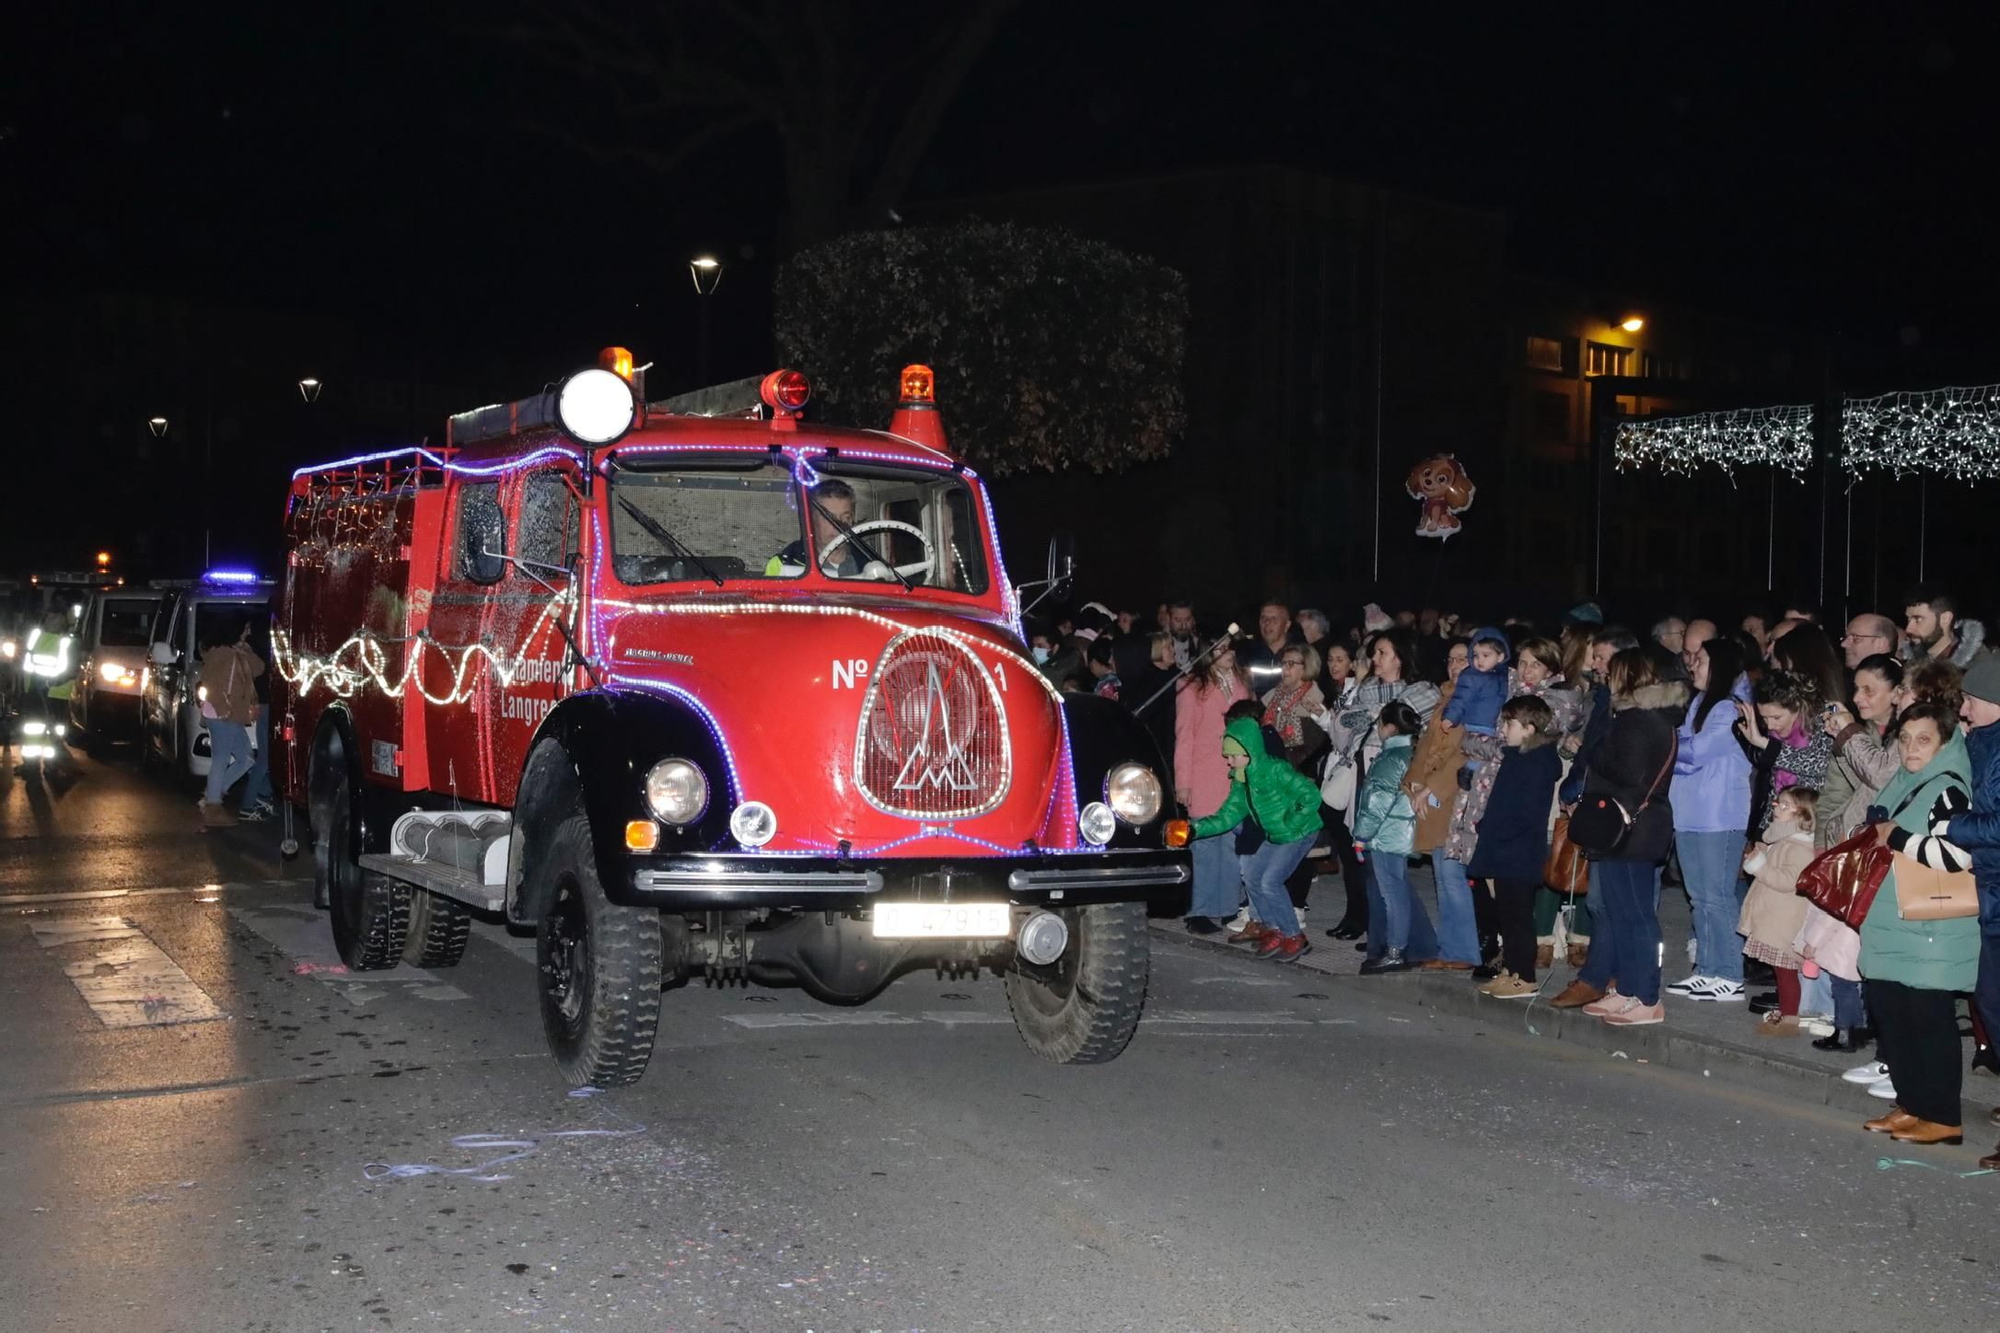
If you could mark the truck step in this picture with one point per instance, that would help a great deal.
(439, 877)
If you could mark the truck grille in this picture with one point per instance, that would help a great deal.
(933, 742)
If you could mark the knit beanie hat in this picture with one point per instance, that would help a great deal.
(1982, 678)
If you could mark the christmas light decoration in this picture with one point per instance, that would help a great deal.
(1952, 432)
(362, 661)
(1778, 436)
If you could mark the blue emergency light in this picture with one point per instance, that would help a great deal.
(229, 576)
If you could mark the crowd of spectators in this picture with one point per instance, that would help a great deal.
(1726, 760)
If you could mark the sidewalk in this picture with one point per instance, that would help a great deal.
(1709, 1039)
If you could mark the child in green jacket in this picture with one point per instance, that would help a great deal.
(1284, 803)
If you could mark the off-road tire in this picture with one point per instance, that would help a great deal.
(1083, 1008)
(371, 912)
(598, 967)
(439, 928)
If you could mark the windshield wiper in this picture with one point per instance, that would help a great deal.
(860, 545)
(665, 538)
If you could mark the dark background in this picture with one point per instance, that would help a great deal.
(402, 192)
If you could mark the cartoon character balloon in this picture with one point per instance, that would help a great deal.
(1440, 483)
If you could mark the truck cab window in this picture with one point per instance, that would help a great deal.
(551, 521)
(481, 529)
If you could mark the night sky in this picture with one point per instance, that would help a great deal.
(408, 167)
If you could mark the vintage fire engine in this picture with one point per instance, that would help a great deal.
(699, 689)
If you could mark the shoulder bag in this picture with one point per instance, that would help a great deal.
(1564, 870)
(1601, 823)
(1924, 893)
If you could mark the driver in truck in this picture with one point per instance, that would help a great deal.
(833, 513)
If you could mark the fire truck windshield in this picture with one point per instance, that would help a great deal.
(744, 522)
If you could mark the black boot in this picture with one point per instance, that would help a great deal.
(1841, 1040)
(1984, 1061)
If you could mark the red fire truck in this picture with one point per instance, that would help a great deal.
(699, 689)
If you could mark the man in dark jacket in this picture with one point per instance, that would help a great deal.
(1978, 832)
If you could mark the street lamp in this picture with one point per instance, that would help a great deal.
(309, 389)
(157, 425)
(1632, 323)
(707, 273)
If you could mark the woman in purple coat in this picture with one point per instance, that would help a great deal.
(1711, 800)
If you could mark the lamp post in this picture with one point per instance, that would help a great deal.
(706, 270)
(157, 425)
(309, 389)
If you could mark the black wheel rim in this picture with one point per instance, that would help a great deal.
(568, 955)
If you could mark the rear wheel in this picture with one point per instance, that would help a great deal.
(598, 965)
(438, 931)
(1083, 1008)
(371, 912)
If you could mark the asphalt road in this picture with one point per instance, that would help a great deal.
(1276, 1150)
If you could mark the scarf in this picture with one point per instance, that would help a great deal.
(1287, 713)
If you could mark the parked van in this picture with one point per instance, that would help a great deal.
(170, 719)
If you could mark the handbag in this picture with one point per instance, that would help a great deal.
(1842, 881)
(1601, 824)
(1564, 870)
(1924, 893)
(1336, 789)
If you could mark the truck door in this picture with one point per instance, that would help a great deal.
(548, 533)
(477, 592)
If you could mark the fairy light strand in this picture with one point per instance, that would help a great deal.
(1951, 432)
(1773, 436)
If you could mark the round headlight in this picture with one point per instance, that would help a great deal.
(1133, 793)
(676, 791)
(595, 406)
(753, 823)
(1096, 823)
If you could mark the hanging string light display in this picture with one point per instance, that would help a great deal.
(1778, 436)
(1951, 432)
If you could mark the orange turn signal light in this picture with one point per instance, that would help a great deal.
(618, 361)
(642, 835)
(1179, 832)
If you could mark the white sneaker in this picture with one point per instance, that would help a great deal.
(1693, 985)
(1240, 920)
(1872, 1072)
(1728, 992)
(1883, 1088)
(1815, 1028)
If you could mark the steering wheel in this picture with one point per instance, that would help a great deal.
(915, 569)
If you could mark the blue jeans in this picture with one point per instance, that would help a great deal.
(1626, 898)
(229, 757)
(1405, 924)
(1457, 928)
(1711, 864)
(1270, 866)
(1848, 1011)
(1217, 878)
(257, 787)
(1986, 995)
(1816, 993)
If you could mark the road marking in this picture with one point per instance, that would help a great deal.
(102, 895)
(862, 1018)
(127, 980)
(304, 936)
(1229, 1017)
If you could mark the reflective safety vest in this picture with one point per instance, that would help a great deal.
(48, 654)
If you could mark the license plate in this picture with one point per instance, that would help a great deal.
(903, 921)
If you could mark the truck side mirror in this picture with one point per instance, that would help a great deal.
(1062, 558)
(482, 535)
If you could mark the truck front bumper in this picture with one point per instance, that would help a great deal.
(1156, 877)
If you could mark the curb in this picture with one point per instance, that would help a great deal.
(1663, 1044)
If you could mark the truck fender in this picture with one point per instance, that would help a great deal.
(336, 757)
(592, 752)
(1103, 735)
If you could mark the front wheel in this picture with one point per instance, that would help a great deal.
(1084, 1007)
(598, 965)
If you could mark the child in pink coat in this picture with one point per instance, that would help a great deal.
(1202, 782)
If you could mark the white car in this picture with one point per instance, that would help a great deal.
(111, 644)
